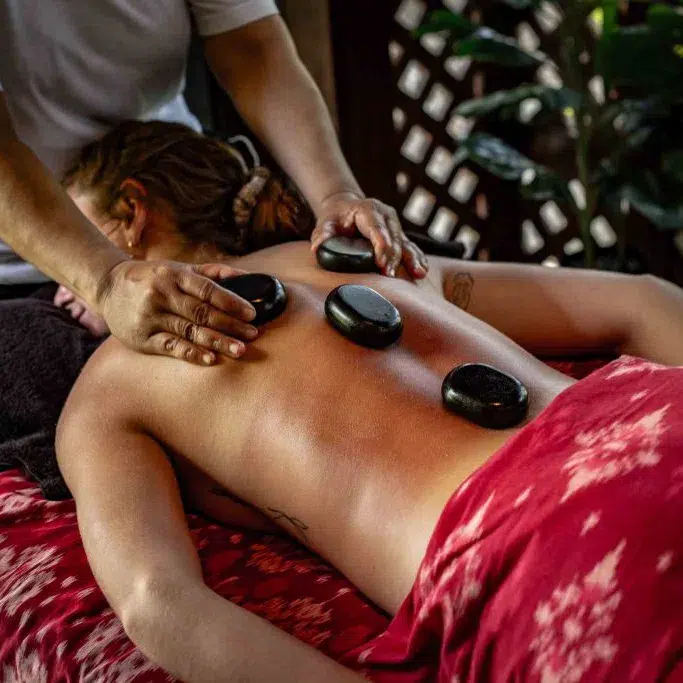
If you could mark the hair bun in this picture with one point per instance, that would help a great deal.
(247, 198)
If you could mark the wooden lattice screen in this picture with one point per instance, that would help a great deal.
(424, 83)
(447, 202)
(465, 202)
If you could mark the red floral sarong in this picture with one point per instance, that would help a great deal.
(561, 559)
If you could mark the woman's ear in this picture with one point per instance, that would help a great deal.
(133, 201)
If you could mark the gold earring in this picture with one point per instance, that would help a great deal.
(130, 244)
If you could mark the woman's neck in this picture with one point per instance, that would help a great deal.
(187, 253)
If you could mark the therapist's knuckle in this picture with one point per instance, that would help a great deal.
(188, 330)
(190, 353)
(377, 217)
(163, 271)
(202, 314)
(170, 345)
(206, 290)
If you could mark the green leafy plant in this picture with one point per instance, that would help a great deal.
(627, 142)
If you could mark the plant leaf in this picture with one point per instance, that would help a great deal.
(505, 162)
(551, 98)
(461, 154)
(631, 114)
(546, 184)
(496, 156)
(487, 45)
(664, 216)
(445, 20)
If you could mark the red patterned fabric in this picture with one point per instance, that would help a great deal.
(561, 559)
(56, 627)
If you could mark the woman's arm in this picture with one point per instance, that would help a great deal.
(556, 311)
(658, 333)
(135, 534)
(169, 309)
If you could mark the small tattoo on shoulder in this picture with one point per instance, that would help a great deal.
(459, 290)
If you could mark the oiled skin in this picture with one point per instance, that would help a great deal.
(347, 448)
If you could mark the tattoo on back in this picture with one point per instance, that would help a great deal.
(298, 525)
(275, 515)
(459, 290)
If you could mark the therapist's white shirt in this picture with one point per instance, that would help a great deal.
(71, 69)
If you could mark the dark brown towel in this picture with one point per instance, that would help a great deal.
(42, 351)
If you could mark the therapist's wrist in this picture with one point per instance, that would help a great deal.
(102, 277)
(345, 194)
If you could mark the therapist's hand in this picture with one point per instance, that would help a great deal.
(347, 214)
(175, 309)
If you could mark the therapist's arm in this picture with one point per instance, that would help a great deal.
(260, 69)
(163, 308)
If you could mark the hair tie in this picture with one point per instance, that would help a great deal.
(247, 197)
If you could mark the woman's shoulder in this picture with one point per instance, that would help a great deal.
(112, 376)
(279, 257)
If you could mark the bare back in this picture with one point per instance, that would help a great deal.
(347, 448)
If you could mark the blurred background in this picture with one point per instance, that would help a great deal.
(539, 131)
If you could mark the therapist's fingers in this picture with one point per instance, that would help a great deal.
(209, 295)
(175, 309)
(412, 257)
(167, 344)
(204, 338)
(371, 222)
(322, 232)
(217, 271)
(414, 260)
(196, 317)
(331, 228)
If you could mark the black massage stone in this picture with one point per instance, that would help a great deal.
(347, 255)
(363, 316)
(486, 396)
(264, 292)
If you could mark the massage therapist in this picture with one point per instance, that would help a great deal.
(71, 70)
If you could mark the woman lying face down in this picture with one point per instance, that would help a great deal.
(161, 191)
(467, 535)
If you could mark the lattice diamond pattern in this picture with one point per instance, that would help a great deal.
(463, 202)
